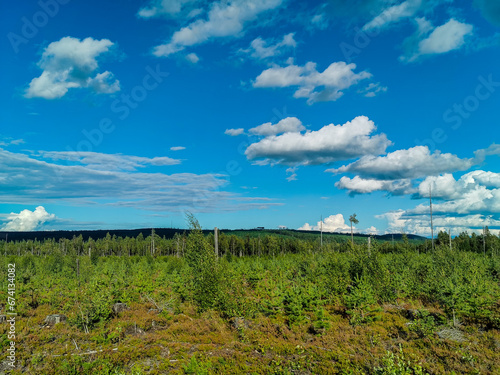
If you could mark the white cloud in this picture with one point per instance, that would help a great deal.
(485, 178)
(326, 145)
(372, 90)
(319, 21)
(225, 19)
(333, 223)
(465, 204)
(27, 220)
(445, 38)
(395, 171)
(159, 8)
(177, 148)
(109, 162)
(192, 58)
(444, 186)
(360, 185)
(292, 175)
(25, 179)
(481, 154)
(72, 63)
(261, 49)
(476, 200)
(314, 85)
(475, 192)
(286, 125)
(371, 230)
(234, 132)
(414, 162)
(393, 14)
(399, 221)
(7, 141)
(431, 41)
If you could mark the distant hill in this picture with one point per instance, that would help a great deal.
(170, 232)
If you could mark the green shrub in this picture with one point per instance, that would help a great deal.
(424, 324)
(397, 364)
(92, 307)
(197, 367)
(205, 270)
(361, 305)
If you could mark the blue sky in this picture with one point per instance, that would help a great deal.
(127, 114)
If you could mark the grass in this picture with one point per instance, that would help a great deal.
(314, 313)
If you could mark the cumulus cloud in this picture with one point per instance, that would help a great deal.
(443, 186)
(234, 132)
(475, 200)
(445, 38)
(313, 85)
(464, 204)
(261, 49)
(25, 179)
(192, 58)
(475, 192)
(358, 185)
(225, 19)
(428, 40)
(109, 162)
(337, 224)
(400, 221)
(371, 230)
(72, 63)
(414, 162)
(326, 145)
(286, 125)
(333, 223)
(393, 14)
(485, 178)
(177, 148)
(27, 220)
(395, 172)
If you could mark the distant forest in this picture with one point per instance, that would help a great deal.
(258, 242)
(169, 233)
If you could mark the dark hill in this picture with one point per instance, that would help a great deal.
(170, 232)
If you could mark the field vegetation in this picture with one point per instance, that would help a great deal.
(267, 304)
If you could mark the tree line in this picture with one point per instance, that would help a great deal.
(242, 244)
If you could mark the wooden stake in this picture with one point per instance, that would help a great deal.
(321, 238)
(216, 241)
(152, 241)
(484, 242)
(177, 247)
(432, 227)
(78, 270)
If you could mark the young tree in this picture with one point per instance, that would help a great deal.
(353, 219)
(205, 272)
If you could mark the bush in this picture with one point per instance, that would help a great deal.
(362, 307)
(397, 364)
(200, 257)
(93, 307)
(424, 324)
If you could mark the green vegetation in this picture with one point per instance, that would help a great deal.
(267, 305)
